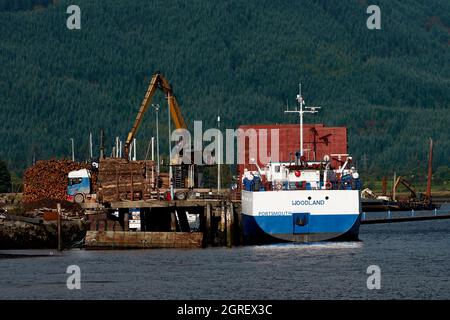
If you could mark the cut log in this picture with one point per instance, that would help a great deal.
(48, 179)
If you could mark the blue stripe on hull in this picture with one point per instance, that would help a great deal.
(323, 227)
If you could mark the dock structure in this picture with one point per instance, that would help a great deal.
(217, 222)
(192, 223)
(405, 216)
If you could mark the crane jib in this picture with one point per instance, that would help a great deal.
(158, 81)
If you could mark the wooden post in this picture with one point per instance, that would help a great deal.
(144, 213)
(230, 220)
(222, 218)
(222, 224)
(58, 206)
(126, 220)
(241, 232)
(173, 221)
(208, 224)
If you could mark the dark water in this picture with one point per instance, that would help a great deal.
(414, 258)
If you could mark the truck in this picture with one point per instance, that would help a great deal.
(79, 188)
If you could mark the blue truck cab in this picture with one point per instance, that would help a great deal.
(79, 187)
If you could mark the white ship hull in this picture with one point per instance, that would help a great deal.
(300, 215)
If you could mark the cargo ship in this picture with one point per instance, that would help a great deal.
(301, 200)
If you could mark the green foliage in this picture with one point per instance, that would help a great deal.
(21, 5)
(5, 178)
(390, 87)
(16, 183)
(442, 175)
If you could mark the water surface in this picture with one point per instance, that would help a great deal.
(414, 258)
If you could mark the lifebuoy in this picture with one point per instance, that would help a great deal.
(328, 185)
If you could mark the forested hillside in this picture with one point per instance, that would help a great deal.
(244, 59)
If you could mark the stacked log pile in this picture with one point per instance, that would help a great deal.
(48, 179)
(120, 179)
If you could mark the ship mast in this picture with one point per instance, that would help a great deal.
(301, 111)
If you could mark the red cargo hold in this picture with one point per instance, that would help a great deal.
(318, 141)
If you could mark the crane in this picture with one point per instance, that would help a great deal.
(407, 185)
(158, 82)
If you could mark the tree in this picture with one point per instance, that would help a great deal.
(442, 175)
(244, 59)
(5, 177)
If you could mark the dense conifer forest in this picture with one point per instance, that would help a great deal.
(242, 59)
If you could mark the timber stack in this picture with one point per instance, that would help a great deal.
(120, 179)
(47, 179)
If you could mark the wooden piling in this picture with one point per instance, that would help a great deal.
(58, 206)
(126, 220)
(208, 224)
(222, 218)
(230, 224)
(173, 221)
(240, 230)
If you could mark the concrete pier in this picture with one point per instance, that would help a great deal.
(165, 224)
